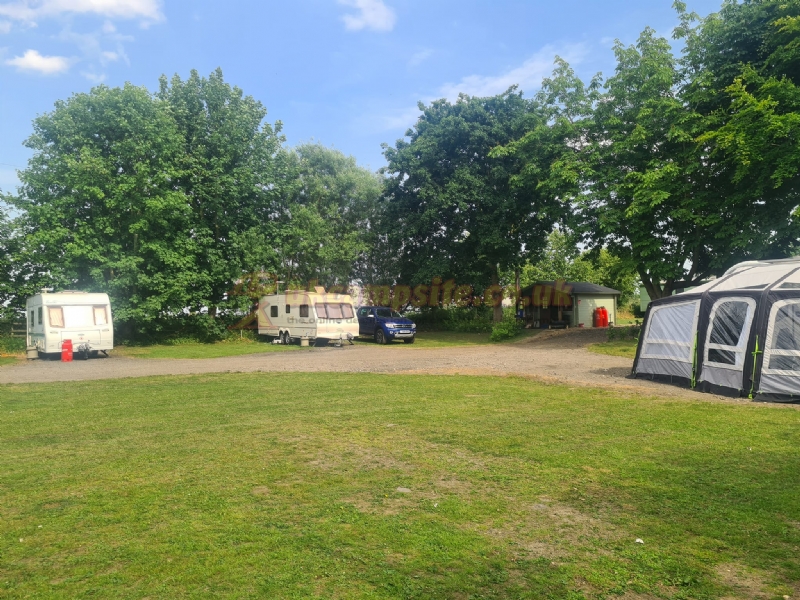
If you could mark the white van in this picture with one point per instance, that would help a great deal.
(298, 315)
(81, 317)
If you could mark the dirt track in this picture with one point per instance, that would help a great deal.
(557, 356)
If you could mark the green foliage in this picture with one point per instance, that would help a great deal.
(509, 328)
(464, 320)
(623, 333)
(452, 209)
(9, 345)
(561, 259)
(325, 229)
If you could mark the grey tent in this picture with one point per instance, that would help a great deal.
(737, 335)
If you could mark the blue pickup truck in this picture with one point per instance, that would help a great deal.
(385, 325)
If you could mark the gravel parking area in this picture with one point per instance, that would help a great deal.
(555, 356)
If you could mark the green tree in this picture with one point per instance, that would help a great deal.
(101, 207)
(234, 175)
(452, 209)
(327, 221)
(660, 197)
(742, 70)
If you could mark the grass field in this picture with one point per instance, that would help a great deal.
(378, 486)
(623, 348)
(430, 339)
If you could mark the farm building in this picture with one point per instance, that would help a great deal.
(566, 304)
(738, 334)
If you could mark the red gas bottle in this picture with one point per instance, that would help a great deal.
(596, 318)
(66, 351)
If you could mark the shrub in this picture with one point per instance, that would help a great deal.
(9, 345)
(630, 332)
(463, 320)
(506, 329)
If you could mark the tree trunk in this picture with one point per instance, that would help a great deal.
(498, 310)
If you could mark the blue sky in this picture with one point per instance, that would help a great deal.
(346, 73)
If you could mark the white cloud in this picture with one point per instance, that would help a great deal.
(94, 77)
(420, 57)
(528, 76)
(5, 27)
(372, 14)
(46, 65)
(31, 10)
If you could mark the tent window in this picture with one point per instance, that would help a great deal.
(670, 332)
(729, 331)
(783, 337)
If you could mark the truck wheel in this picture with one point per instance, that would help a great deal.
(380, 338)
(409, 340)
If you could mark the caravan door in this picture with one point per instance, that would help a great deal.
(726, 342)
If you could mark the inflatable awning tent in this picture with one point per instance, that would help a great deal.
(737, 335)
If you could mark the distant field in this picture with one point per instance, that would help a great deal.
(377, 486)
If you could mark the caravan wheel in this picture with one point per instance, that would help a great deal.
(285, 339)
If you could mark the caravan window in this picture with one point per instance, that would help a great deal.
(304, 310)
(100, 315)
(670, 332)
(273, 311)
(729, 331)
(56, 315)
(39, 311)
(782, 352)
(334, 311)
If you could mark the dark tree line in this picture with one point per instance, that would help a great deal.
(675, 167)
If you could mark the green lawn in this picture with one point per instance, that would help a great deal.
(8, 360)
(623, 348)
(379, 486)
(445, 339)
(198, 350)
(432, 339)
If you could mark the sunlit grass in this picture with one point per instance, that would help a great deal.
(378, 486)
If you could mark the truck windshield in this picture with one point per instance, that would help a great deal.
(330, 310)
(387, 313)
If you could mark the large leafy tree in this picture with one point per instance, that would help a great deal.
(663, 199)
(233, 173)
(327, 222)
(742, 70)
(101, 206)
(452, 209)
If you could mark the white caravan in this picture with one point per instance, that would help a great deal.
(299, 315)
(81, 317)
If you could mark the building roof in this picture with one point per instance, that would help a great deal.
(578, 287)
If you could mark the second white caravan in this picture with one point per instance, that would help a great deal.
(314, 316)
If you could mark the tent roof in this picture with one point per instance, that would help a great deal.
(756, 275)
(578, 287)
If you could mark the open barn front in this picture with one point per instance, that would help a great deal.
(738, 335)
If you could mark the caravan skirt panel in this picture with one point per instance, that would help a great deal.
(727, 378)
(779, 384)
(657, 366)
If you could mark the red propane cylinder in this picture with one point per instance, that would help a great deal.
(596, 317)
(66, 351)
(603, 316)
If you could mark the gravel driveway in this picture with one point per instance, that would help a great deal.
(557, 356)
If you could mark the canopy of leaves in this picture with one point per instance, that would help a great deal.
(452, 209)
